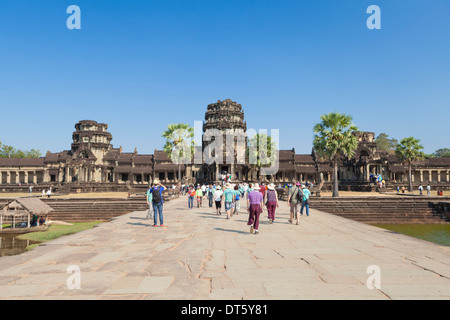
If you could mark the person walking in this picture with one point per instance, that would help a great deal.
(199, 195)
(305, 202)
(294, 201)
(428, 189)
(149, 197)
(420, 189)
(191, 196)
(157, 200)
(237, 197)
(229, 198)
(255, 203)
(210, 193)
(272, 201)
(218, 197)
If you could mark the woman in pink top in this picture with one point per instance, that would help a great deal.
(272, 201)
(255, 203)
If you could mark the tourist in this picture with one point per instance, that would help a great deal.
(199, 195)
(49, 193)
(420, 189)
(191, 196)
(428, 189)
(237, 196)
(149, 198)
(305, 202)
(30, 190)
(293, 201)
(272, 201)
(229, 199)
(403, 189)
(204, 189)
(210, 194)
(218, 197)
(255, 203)
(263, 190)
(43, 193)
(245, 188)
(158, 202)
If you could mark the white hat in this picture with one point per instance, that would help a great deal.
(228, 186)
(256, 187)
(271, 186)
(156, 181)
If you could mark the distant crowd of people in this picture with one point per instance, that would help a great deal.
(233, 198)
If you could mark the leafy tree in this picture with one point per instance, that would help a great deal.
(261, 151)
(10, 152)
(444, 152)
(179, 145)
(334, 137)
(384, 143)
(409, 150)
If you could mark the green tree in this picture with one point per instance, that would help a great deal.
(11, 152)
(334, 137)
(7, 152)
(409, 150)
(179, 145)
(261, 151)
(444, 152)
(384, 143)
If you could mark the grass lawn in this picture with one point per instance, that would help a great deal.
(57, 231)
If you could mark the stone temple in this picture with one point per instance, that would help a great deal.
(94, 164)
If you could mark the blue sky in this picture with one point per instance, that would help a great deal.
(140, 65)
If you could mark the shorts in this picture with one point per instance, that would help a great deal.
(218, 204)
(295, 207)
(228, 206)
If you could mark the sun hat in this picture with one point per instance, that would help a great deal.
(256, 187)
(156, 181)
(271, 186)
(228, 186)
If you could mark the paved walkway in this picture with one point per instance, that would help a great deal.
(203, 256)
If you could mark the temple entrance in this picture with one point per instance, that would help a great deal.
(224, 169)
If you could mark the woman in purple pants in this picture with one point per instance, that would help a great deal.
(272, 201)
(254, 207)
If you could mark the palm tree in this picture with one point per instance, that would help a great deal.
(409, 150)
(179, 145)
(261, 151)
(334, 137)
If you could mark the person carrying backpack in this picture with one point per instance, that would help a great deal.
(294, 200)
(149, 197)
(157, 201)
(305, 202)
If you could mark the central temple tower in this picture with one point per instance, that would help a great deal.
(224, 115)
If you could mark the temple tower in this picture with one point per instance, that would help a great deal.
(224, 115)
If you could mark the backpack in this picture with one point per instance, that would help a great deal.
(156, 195)
(299, 195)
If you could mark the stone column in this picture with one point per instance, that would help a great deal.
(421, 176)
(26, 177)
(447, 176)
(430, 176)
(8, 177)
(439, 176)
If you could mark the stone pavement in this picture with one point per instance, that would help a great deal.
(200, 255)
